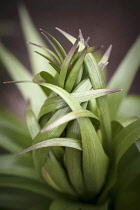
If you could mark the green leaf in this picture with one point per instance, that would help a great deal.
(13, 137)
(129, 164)
(73, 160)
(67, 205)
(17, 166)
(94, 165)
(58, 174)
(31, 34)
(126, 121)
(32, 123)
(17, 199)
(50, 53)
(131, 103)
(70, 81)
(138, 144)
(49, 180)
(84, 85)
(57, 142)
(97, 82)
(58, 48)
(128, 200)
(66, 63)
(54, 103)
(50, 60)
(127, 69)
(29, 185)
(61, 49)
(71, 116)
(78, 54)
(44, 77)
(126, 137)
(68, 36)
(17, 72)
(39, 155)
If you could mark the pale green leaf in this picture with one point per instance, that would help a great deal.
(12, 136)
(18, 166)
(17, 72)
(31, 34)
(104, 60)
(131, 103)
(32, 123)
(124, 77)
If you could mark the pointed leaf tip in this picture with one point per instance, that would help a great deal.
(104, 60)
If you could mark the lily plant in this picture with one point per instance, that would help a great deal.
(79, 148)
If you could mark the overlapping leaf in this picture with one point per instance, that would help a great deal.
(94, 166)
(97, 82)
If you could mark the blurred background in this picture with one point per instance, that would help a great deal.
(106, 22)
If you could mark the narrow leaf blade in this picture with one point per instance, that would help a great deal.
(127, 68)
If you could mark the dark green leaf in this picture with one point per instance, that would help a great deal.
(58, 48)
(66, 63)
(125, 138)
(28, 184)
(55, 65)
(16, 199)
(70, 81)
(67, 205)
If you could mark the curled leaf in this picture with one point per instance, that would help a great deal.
(56, 142)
